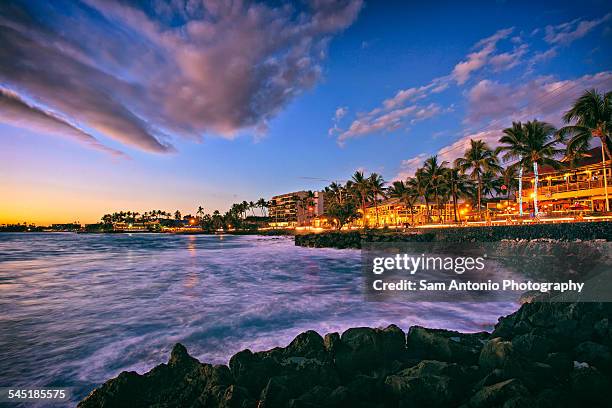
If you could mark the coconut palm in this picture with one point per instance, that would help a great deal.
(592, 117)
(361, 186)
(534, 145)
(510, 146)
(200, 212)
(491, 184)
(404, 192)
(477, 159)
(377, 188)
(338, 191)
(434, 172)
(509, 177)
(459, 185)
(420, 184)
(262, 203)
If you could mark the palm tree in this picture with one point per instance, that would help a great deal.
(491, 184)
(477, 159)
(533, 145)
(262, 203)
(405, 194)
(510, 180)
(459, 185)
(511, 147)
(177, 215)
(361, 186)
(592, 114)
(377, 187)
(420, 184)
(200, 212)
(434, 172)
(337, 190)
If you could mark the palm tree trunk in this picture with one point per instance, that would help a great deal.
(363, 209)
(604, 147)
(605, 143)
(535, 189)
(520, 190)
(376, 208)
(455, 205)
(479, 194)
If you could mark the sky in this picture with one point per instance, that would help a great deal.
(109, 105)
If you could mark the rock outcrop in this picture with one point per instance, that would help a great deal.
(543, 355)
(574, 231)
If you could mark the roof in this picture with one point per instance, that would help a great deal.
(591, 157)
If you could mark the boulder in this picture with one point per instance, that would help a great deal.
(595, 354)
(498, 394)
(495, 354)
(363, 350)
(308, 344)
(589, 388)
(275, 394)
(531, 346)
(429, 383)
(444, 345)
(180, 382)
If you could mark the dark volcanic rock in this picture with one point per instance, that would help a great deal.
(445, 345)
(543, 355)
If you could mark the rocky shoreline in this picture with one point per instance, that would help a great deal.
(543, 355)
(583, 231)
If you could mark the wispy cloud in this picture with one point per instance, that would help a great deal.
(544, 98)
(483, 51)
(566, 33)
(338, 115)
(187, 69)
(405, 108)
(388, 120)
(15, 111)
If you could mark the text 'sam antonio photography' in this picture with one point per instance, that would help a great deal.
(305, 204)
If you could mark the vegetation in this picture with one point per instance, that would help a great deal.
(478, 176)
(237, 217)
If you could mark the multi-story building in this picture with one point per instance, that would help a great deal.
(579, 188)
(295, 209)
(393, 213)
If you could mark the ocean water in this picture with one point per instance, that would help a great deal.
(77, 309)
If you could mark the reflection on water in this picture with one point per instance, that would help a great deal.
(78, 309)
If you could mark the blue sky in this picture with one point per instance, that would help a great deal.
(108, 106)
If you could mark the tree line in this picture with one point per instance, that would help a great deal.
(236, 217)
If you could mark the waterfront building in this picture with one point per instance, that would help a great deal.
(295, 209)
(571, 189)
(393, 213)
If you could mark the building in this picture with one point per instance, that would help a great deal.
(393, 213)
(295, 209)
(573, 189)
(72, 226)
